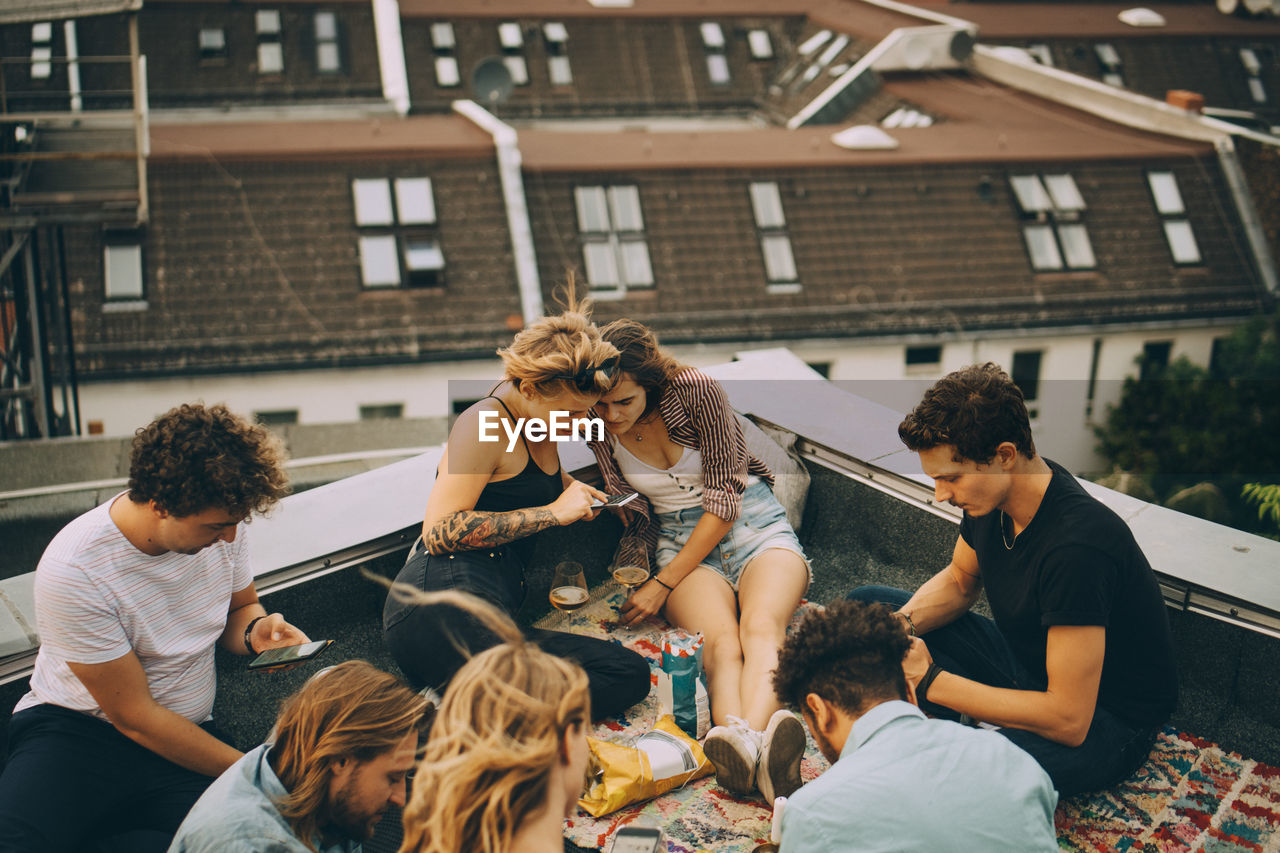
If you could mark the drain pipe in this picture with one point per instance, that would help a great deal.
(73, 65)
(395, 76)
(1253, 230)
(509, 172)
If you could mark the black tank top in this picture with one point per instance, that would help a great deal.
(532, 487)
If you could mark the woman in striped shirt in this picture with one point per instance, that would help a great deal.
(728, 564)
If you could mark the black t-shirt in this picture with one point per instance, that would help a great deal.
(1077, 563)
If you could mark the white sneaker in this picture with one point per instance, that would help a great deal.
(734, 750)
(778, 774)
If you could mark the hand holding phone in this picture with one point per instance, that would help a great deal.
(288, 656)
(615, 501)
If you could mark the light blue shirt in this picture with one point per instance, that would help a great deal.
(908, 783)
(237, 815)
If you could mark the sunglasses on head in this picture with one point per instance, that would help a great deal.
(585, 379)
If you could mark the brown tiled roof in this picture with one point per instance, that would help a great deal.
(439, 137)
(1099, 20)
(983, 122)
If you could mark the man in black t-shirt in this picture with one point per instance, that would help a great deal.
(1078, 666)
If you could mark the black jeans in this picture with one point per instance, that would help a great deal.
(973, 647)
(424, 640)
(74, 783)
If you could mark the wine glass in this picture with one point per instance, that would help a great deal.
(569, 586)
(631, 563)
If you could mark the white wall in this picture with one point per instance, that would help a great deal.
(874, 370)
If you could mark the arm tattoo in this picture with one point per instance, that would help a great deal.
(472, 529)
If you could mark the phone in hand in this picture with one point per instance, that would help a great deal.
(615, 501)
(288, 655)
(638, 839)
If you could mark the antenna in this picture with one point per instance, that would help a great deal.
(491, 81)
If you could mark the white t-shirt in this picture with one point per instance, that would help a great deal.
(98, 598)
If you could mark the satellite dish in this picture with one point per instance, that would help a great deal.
(491, 81)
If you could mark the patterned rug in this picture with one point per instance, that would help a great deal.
(1190, 795)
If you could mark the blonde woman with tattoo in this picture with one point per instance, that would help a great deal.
(507, 754)
(489, 502)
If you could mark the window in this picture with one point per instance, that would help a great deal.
(122, 266)
(399, 243)
(1052, 207)
(277, 417)
(924, 356)
(41, 50)
(1155, 358)
(381, 411)
(556, 37)
(212, 42)
(1109, 60)
(1253, 68)
(270, 49)
(760, 44)
(1025, 373)
(511, 39)
(775, 242)
(443, 46)
(328, 47)
(614, 249)
(1177, 228)
(717, 62)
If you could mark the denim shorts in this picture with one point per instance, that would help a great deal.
(761, 524)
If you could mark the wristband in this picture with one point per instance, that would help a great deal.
(922, 689)
(659, 580)
(911, 626)
(248, 630)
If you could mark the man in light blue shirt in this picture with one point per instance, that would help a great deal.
(341, 749)
(898, 780)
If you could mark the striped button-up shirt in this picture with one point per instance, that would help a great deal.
(697, 414)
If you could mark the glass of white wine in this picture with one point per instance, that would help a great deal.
(631, 563)
(569, 586)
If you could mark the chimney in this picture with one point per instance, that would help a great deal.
(1192, 102)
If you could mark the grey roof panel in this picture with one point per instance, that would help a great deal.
(18, 11)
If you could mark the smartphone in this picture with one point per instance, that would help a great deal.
(638, 839)
(616, 501)
(289, 655)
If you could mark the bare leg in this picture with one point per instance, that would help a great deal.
(704, 602)
(769, 593)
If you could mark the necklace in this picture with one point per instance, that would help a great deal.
(1008, 546)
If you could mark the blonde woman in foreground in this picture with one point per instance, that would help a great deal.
(507, 754)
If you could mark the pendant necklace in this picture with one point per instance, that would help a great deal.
(1008, 546)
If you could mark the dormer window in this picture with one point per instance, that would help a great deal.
(511, 40)
(270, 48)
(556, 37)
(1173, 213)
(714, 45)
(399, 241)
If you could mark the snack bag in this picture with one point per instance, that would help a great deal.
(682, 691)
(658, 761)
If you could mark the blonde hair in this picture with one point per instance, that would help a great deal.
(561, 345)
(494, 741)
(353, 710)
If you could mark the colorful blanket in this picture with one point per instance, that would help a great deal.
(1190, 795)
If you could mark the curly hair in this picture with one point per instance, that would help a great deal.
(642, 359)
(974, 409)
(850, 654)
(559, 346)
(353, 710)
(494, 741)
(195, 457)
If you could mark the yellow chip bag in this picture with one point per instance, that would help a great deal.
(658, 761)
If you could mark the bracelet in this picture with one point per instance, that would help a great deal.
(911, 626)
(922, 689)
(659, 580)
(248, 630)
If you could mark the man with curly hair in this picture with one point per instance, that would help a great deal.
(114, 743)
(1077, 667)
(898, 780)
